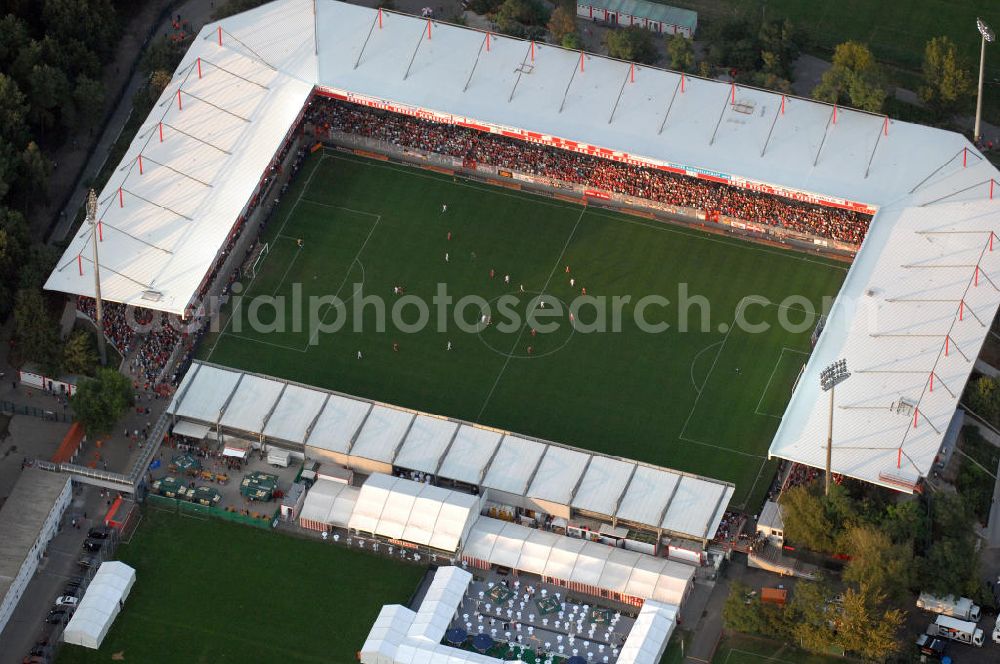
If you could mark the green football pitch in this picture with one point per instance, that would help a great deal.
(211, 591)
(706, 399)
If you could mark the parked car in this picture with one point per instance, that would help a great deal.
(66, 600)
(99, 533)
(71, 591)
(57, 616)
(86, 562)
(93, 544)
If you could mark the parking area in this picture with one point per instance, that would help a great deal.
(58, 574)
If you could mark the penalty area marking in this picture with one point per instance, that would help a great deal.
(763, 394)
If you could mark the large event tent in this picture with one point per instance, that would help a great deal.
(921, 288)
(578, 564)
(100, 605)
(647, 641)
(423, 514)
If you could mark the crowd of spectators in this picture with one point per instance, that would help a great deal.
(474, 146)
(730, 528)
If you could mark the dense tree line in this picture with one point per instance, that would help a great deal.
(51, 55)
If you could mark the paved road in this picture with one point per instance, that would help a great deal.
(27, 624)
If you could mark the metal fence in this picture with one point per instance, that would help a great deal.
(184, 507)
(11, 408)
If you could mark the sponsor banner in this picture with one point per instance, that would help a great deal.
(504, 174)
(596, 151)
(594, 193)
(527, 178)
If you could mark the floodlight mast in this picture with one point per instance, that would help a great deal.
(829, 378)
(92, 220)
(988, 36)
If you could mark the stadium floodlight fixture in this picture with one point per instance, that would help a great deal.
(98, 303)
(829, 378)
(988, 37)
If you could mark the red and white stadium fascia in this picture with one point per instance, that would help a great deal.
(910, 318)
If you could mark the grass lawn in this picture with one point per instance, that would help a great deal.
(705, 401)
(896, 31)
(739, 649)
(211, 591)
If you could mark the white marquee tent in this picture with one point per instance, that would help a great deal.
(648, 638)
(439, 604)
(420, 513)
(328, 504)
(587, 566)
(100, 605)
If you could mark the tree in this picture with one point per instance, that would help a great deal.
(855, 78)
(813, 520)
(48, 90)
(158, 82)
(878, 563)
(633, 43)
(744, 612)
(572, 41)
(814, 622)
(101, 401)
(865, 628)
(681, 53)
(89, 99)
(983, 397)
(13, 250)
(779, 47)
(562, 23)
(514, 15)
(36, 331)
(34, 171)
(947, 81)
(13, 112)
(80, 353)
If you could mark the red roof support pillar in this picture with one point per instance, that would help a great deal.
(899, 458)
(632, 72)
(100, 231)
(121, 198)
(932, 381)
(682, 83)
(916, 414)
(733, 96)
(961, 310)
(220, 35)
(79, 263)
(834, 114)
(180, 106)
(885, 126)
(379, 18)
(581, 61)
(487, 42)
(532, 51)
(965, 157)
(782, 104)
(161, 132)
(140, 163)
(199, 67)
(975, 277)
(428, 29)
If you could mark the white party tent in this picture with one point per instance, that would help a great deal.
(328, 504)
(439, 604)
(420, 513)
(100, 605)
(386, 634)
(648, 638)
(580, 565)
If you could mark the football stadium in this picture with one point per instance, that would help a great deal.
(544, 320)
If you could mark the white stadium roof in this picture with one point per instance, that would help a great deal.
(932, 190)
(681, 504)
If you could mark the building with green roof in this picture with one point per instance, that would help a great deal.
(662, 19)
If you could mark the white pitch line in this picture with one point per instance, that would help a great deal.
(525, 326)
(254, 277)
(347, 276)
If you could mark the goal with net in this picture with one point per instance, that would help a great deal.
(256, 259)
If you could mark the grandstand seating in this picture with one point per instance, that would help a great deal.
(474, 146)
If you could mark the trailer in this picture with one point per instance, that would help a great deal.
(962, 631)
(962, 608)
(996, 631)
